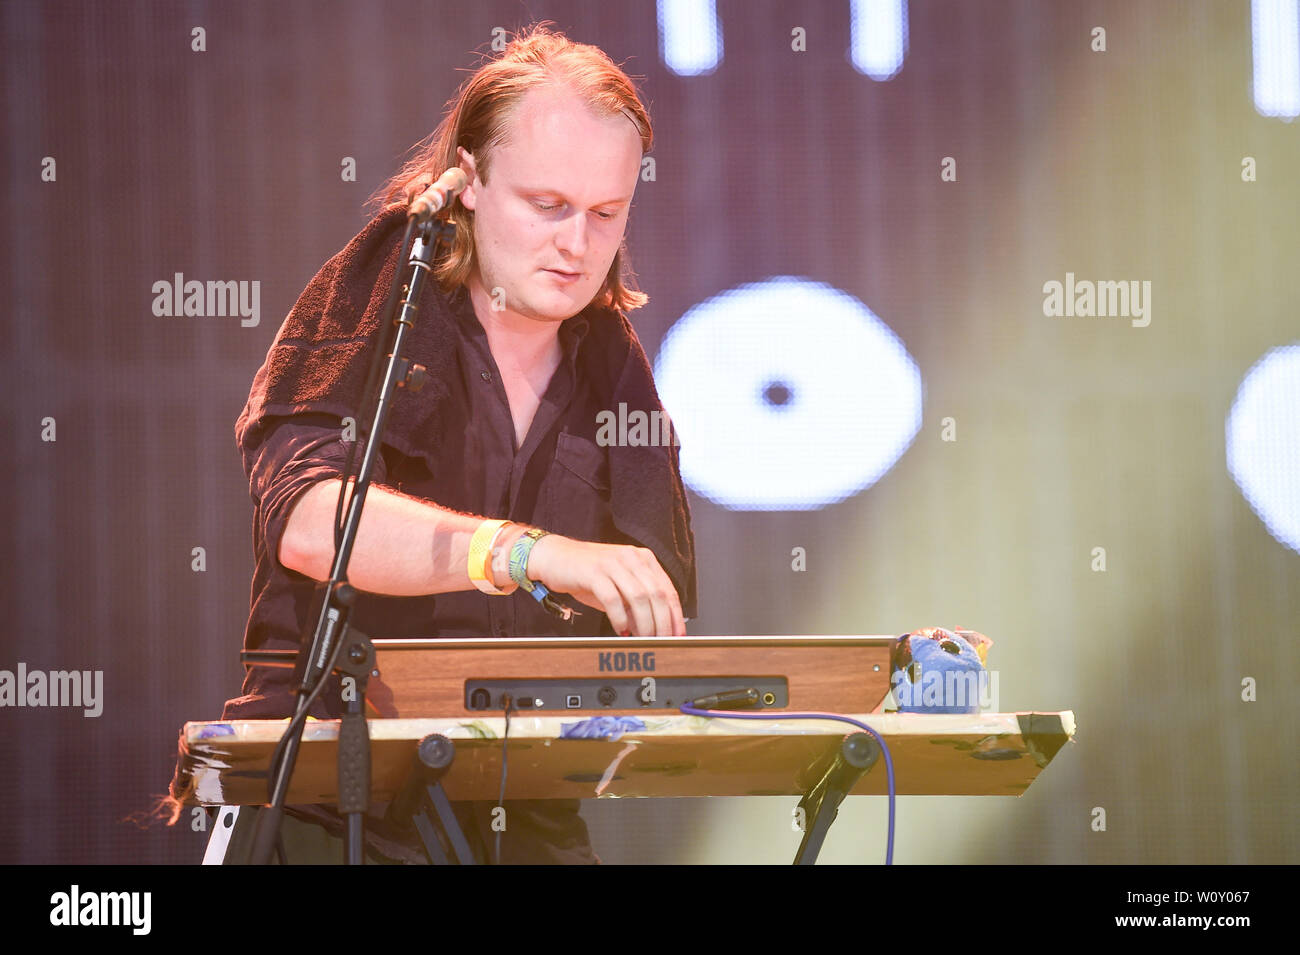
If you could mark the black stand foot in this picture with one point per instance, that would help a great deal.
(856, 755)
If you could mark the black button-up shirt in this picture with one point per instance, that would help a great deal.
(558, 480)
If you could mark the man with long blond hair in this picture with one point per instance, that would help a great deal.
(526, 341)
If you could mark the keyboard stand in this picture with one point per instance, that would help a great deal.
(422, 804)
(854, 757)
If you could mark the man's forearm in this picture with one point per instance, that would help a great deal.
(408, 548)
(404, 547)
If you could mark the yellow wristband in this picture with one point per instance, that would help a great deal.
(480, 552)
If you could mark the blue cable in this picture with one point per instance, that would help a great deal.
(889, 762)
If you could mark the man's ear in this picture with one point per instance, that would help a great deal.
(468, 197)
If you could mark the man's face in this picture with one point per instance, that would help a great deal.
(557, 199)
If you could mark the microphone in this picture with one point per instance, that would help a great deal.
(429, 202)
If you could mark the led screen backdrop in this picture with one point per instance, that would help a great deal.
(974, 314)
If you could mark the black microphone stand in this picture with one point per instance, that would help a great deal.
(327, 649)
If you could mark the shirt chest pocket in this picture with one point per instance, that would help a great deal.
(577, 490)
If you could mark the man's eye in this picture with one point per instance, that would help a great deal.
(551, 207)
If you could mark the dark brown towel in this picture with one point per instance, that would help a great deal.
(321, 355)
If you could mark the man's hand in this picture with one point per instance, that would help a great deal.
(625, 582)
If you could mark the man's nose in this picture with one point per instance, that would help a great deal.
(572, 235)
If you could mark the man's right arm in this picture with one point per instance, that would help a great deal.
(411, 546)
(407, 547)
(404, 547)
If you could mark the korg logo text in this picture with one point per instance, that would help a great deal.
(623, 662)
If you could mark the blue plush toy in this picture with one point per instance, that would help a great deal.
(939, 671)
